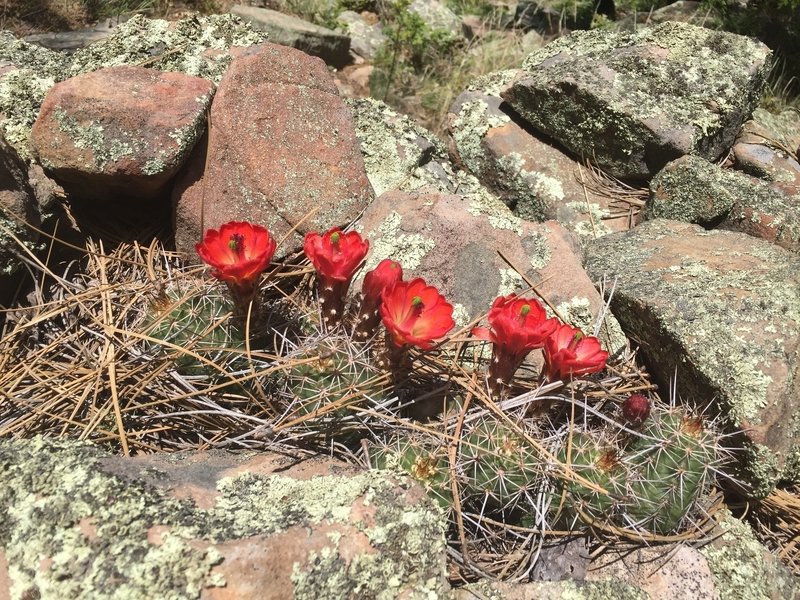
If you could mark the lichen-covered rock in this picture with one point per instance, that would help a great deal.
(393, 146)
(437, 16)
(282, 146)
(535, 179)
(331, 46)
(684, 190)
(681, 572)
(552, 590)
(18, 207)
(722, 308)
(452, 241)
(631, 102)
(79, 523)
(693, 190)
(197, 46)
(366, 38)
(120, 133)
(28, 72)
(743, 567)
(766, 148)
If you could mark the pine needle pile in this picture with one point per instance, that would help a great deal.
(132, 350)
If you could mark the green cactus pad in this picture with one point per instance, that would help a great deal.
(499, 465)
(426, 463)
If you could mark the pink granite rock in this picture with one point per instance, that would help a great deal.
(282, 145)
(120, 133)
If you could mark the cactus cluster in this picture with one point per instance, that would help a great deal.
(650, 482)
(327, 374)
(427, 462)
(190, 322)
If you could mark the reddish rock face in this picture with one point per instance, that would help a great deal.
(121, 132)
(453, 242)
(282, 144)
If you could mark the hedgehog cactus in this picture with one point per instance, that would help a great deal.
(330, 372)
(197, 321)
(597, 462)
(498, 464)
(673, 462)
(428, 464)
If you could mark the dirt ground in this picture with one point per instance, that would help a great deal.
(25, 17)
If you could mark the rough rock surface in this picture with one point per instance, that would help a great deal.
(82, 524)
(120, 133)
(331, 46)
(535, 179)
(366, 38)
(452, 241)
(197, 46)
(18, 206)
(282, 144)
(722, 308)
(437, 16)
(694, 190)
(634, 101)
(393, 146)
(767, 148)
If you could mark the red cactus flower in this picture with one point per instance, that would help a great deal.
(568, 352)
(516, 326)
(416, 313)
(336, 256)
(238, 253)
(383, 277)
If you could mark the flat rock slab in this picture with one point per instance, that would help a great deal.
(631, 102)
(694, 190)
(282, 145)
(331, 46)
(452, 241)
(120, 133)
(79, 523)
(767, 147)
(722, 308)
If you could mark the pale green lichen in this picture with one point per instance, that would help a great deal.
(685, 89)
(743, 568)
(537, 247)
(532, 192)
(510, 282)
(698, 319)
(57, 490)
(483, 202)
(493, 83)
(50, 488)
(392, 145)
(460, 315)
(21, 94)
(182, 46)
(389, 241)
(93, 137)
(468, 128)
